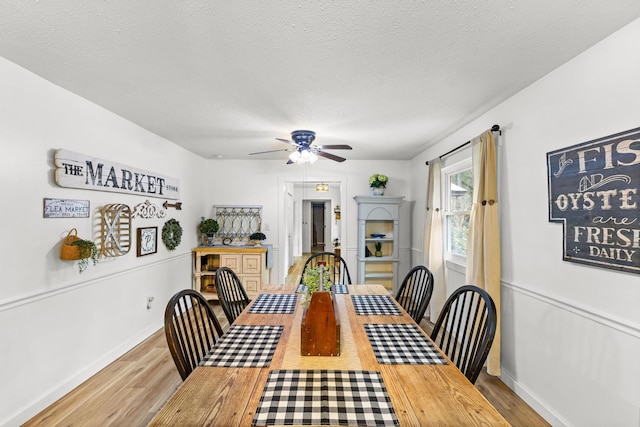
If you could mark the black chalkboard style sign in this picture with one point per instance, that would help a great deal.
(594, 190)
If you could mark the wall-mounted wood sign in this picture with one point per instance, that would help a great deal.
(77, 170)
(65, 208)
(594, 190)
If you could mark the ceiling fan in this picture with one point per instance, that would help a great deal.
(304, 152)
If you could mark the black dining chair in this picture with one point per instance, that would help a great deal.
(231, 293)
(191, 329)
(465, 329)
(335, 265)
(415, 292)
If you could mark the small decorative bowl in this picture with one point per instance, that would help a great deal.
(377, 235)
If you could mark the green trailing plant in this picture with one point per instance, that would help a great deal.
(87, 251)
(208, 226)
(257, 236)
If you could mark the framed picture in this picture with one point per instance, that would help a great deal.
(147, 240)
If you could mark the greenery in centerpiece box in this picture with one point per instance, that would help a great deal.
(315, 279)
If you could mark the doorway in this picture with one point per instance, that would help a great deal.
(320, 231)
(301, 196)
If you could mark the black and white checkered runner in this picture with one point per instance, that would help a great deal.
(337, 288)
(244, 346)
(375, 305)
(274, 303)
(402, 344)
(340, 288)
(325, 397)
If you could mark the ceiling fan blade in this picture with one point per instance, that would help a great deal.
(335, 147)
(295, 144)
(271, 151)
(330, 156)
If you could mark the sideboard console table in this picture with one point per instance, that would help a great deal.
(248, 262)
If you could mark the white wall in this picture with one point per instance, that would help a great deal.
(262, 182)
(58, 327)
(570, 332)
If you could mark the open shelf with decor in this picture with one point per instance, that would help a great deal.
(378, 224)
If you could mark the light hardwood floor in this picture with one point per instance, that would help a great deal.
(131, 390)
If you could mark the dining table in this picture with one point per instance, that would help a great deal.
(388, 371)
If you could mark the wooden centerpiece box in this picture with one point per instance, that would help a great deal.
(320, 329)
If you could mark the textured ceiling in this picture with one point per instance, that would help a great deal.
(228, 77)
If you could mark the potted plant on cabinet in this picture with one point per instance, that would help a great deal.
(208, 227)
(378, 183)
(257, 238)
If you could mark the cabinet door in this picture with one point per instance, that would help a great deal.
(233, 261)
(251, 264)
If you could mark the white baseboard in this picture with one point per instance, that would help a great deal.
(550, 416)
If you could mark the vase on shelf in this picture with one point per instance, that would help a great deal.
(377, 191)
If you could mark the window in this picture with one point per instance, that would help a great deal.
(458, 198)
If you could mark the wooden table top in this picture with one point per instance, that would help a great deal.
(422, 395)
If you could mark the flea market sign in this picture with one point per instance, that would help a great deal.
(594, 190)
(76, 170)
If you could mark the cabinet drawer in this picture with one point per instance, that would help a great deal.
(251, 264)
(251, 283)
(232, 261)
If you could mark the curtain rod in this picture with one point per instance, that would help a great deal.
(494, 128)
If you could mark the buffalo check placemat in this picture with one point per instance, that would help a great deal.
(374, 305)
(244, 346)
(402, 344)
(337, 289)
(325, 397)
(274, 303)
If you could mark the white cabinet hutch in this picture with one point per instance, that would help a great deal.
(378, 226)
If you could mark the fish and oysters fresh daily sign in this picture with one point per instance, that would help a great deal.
(75, 170)
(594, 190)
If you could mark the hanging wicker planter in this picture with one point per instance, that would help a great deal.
(74, 248)
(69, 251)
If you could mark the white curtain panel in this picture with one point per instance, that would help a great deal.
(483, 246)
(433, 246)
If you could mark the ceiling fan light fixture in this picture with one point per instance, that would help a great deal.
(303, 156)
(294, 157)
(305, 152)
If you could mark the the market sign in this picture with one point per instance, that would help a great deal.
(77, 170)
(594, 190)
